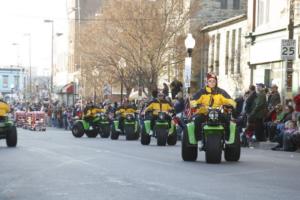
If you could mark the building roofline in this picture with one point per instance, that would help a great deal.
(224, 23)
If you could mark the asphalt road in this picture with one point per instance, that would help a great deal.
(55, 165)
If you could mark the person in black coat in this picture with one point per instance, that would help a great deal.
(250, 100)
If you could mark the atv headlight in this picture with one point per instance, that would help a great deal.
(129, 117)
(213, 115)
(161, 116)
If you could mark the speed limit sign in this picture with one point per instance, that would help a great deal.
(288, 49)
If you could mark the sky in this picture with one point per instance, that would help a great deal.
(18, 17)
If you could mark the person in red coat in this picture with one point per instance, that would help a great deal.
(297, 104)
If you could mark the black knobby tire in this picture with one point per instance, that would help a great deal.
(188, 152)
(78, 130)
(114, 134)
(145, 138)
(233, 152)
(137, 133)
(172, 139)
(213, 148)
(129, 132)
(162, 136)
(91, 133)
(105, 131)
(12, 137)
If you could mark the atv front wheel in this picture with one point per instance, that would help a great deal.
(213, 148)
(78, 130)
(105, 131)
(11, 137)
(162, 136)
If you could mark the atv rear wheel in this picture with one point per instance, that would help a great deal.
(145, 138)
(188, 152)
(91, 133)
(114, 134)
(213, 148)
(172, 139)
(12, 137)
(233, 151)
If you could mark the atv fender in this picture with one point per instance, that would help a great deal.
(232, 133)
(147, 124)
(191, 133)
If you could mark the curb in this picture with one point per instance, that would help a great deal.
(266, 146)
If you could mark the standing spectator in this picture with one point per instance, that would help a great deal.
(250, 100)
(258, 113)
(65, 118)
(274, 98)
(166, 90)
(176, 86)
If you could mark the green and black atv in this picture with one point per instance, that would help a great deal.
(87, 125)
(8, 131)
(105, 127)
(214, 139)
(131, 127)
(161, 131)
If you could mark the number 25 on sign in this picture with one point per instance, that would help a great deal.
(288, 49)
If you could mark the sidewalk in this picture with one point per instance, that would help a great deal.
(266, 146)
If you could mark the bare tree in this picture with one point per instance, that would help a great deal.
(144, 33)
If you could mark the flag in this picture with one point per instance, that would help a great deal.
(187, 108)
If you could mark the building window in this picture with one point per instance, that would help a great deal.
(217, 62)
(267, 14)
(212, 53)
(236, 4)
(227, 53)
(5, 81)
(260, 14)
(16, 82)
(233, 53)
(263, 15)
(238, 64)
(224, 4)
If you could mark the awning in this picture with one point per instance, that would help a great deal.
(68, 89)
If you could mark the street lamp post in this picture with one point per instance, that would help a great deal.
(52, 38)
(17, 45)
(122, 64)
(29, 53)
(189, 44)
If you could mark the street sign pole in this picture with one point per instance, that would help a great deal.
(187, 74)
(288, 48)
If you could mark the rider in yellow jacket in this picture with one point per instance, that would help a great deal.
(123, 110)
(210, 96)
(160, 104)
(4, 108)
(91, 110)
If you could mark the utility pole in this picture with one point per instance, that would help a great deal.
(289, 67)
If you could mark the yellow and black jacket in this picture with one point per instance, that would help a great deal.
(4, 108)
(159, 106)
(209, 97)
(91, 112)
(123, 110)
